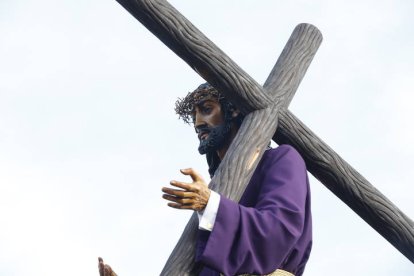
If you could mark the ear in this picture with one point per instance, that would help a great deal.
(235, 112)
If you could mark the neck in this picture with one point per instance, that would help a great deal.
(222, 152)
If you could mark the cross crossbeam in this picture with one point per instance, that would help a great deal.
(266, 107)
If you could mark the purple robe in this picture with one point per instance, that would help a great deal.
(271, 226)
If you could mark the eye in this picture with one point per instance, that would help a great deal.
(207, 109)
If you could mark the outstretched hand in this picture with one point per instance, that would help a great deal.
(192, 196)
(104, 269)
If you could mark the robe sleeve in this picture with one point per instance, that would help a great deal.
(258, 239)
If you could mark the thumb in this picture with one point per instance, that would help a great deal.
(194, 175)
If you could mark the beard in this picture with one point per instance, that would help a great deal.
(217, 137)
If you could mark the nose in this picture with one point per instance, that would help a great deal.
(198, 119)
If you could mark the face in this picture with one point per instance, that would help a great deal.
(213, 131)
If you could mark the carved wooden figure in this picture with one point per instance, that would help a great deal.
(267, 118)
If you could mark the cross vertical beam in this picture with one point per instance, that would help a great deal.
(214, 66)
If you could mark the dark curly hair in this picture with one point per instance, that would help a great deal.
(185, 107)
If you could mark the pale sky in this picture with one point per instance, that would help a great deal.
(88, 135)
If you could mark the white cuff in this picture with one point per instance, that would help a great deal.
(207, 217)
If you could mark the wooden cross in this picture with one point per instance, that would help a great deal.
(266, 109)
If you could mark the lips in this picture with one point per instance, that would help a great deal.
(202, 135)
(203, 131)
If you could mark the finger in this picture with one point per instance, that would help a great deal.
(182, 185)
(194, 175)
(108, 270)
(180, 206)
(183, 194)
(171, 191)
(179, 193)
(101, 267)
(178, 199)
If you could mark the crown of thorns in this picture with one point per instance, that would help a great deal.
(184, 107)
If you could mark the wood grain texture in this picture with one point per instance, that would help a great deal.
(172, 28)
(214, 66)
(235, 169)
(258, 127)
(347, 184)
(299, 50)
(281, 85)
